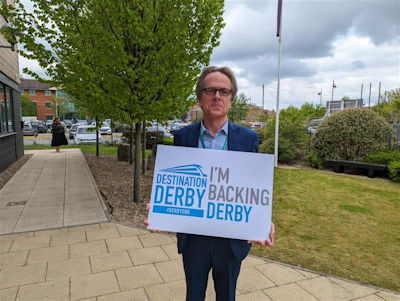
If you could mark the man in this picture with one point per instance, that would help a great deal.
(216, 88)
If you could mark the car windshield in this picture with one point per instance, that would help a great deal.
(85, 130)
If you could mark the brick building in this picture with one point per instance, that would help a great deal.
(41, 95)
(11, 139)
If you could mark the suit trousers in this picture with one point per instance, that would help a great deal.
(203, 253)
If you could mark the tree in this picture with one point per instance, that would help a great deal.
(311, 111)
(28, 106)
(59, 106)
(292, 133)
(389, 106)
(129, 60)
(292, 126)
(240, 107)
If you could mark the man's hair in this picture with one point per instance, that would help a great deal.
(210, 69)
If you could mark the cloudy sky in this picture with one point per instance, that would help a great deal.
(353, 42)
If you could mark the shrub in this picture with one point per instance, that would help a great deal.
(261, 136)
(286, 150)
(351, 134)
(313, 160)
(168, 141)
(383, 157)
(153, 138)
(394, 171)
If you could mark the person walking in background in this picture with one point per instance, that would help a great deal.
(58, 134)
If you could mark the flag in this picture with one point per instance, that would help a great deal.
(278, 31)
(334, 85)
(319, 93)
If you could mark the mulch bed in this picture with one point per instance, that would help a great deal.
(115, 181)
(7, 174)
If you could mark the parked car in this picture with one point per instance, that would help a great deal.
(105, 128)
(39, 126)
(28, 130)
(161, 128)
(68, 123)
(49, 123)
(86, 134)
(73, 128)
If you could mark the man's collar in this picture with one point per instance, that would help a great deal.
(224, 128)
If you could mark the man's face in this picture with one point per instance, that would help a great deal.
(215, 106)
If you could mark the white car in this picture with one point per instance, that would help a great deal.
(105, 128)
(160, 128)
(86, 134)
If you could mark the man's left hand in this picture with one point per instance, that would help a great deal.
(271, 241)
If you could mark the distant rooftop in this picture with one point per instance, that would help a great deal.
(33, 84)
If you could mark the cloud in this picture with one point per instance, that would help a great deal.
(357, 64)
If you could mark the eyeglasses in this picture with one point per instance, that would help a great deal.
(222, 91)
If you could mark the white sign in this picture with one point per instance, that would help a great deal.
(212, 192)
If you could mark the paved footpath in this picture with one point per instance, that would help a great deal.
(108, 261)
(51, 190)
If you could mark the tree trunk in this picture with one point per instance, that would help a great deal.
(144, 148)
(112, 141)
(136, 183)
(131, 146)
(97, 137)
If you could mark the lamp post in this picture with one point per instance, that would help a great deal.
(6, 27)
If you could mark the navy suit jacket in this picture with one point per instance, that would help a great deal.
(241, 139)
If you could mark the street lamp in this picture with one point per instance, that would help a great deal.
(6, 27)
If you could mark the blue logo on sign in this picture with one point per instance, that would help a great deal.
(191, 169)
(180, 190)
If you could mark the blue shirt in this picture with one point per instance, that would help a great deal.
(211, 142)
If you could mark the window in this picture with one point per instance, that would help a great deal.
(47, 93)
(22, 91)
(10, 109)
(3, 110)
(48, 104)
(32, 92)
(7, 123)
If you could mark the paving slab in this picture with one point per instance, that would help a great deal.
(123, 243)
(290, 291)
(139, 276)
(87, 286)
(280, 274)
(45, 291)
(66, 268)
(110, 261)
(148, 255)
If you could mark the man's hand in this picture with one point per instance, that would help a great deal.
(271, 241)
(146, 221)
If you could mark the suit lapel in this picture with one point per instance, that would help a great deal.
(232, 137)
(193, 138)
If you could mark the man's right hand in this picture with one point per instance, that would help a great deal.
(146, 221)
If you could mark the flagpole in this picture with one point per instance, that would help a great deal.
(263, 98)
(333, 86)
(320, 100)
(369, 97)
(279, 30)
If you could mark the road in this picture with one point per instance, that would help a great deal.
(45, 139)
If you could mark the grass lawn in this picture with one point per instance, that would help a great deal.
(337, 224)
(85, 148)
